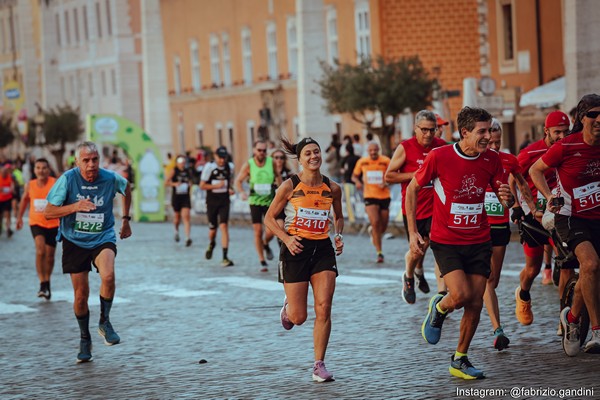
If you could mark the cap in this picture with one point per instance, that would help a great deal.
(222, 152)
(441, 121)
(180, 159)
(557, 118)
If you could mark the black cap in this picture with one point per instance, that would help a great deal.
(222, 152)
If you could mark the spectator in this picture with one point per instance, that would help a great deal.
(526, 141)
(348, 163)
(333, 159)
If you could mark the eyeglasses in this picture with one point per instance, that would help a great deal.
(262, 150)
(279, 158)
(428, 130)
(592, 114)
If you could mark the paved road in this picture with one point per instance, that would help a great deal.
(174, 308)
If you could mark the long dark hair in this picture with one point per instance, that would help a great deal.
(586, 103)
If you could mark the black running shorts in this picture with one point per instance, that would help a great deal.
(181, 201)
(574, 231)
(423, 227)
(49, 234)
(500, 234)
(383, 204)
(76, 259)
(473, 259)
(317, 256)
(217, 213)
(257, 213)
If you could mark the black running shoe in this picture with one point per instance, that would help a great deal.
(268, 252)
(422, 282)
(408, 289)
(209, 251)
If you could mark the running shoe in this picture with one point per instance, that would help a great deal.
(501, 342)
(379, 258)
(9, 232)
(209, 251)
(188, 242)
(422, 282)
(432, 325)
(556, 275)
(85, 351)
(408, 289)
(547, 276)
(285, 322)
(45, 293)
(462, 368)
(263, 266)
(593, 345)
(42, 291)
(523, 309)
(106, 330)
(320, 373)
(268, 252)
(177, 236)
(226, 263)
(570, 337)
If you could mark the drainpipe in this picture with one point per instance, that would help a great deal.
(538, 34)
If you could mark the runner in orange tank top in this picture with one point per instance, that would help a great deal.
(308, 255)
(44, 230)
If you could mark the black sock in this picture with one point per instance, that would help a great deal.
(84, 325)
(212, 244)
(48, 285)
(105, 305)
(548, 266)
(224, 252)
(524, 295)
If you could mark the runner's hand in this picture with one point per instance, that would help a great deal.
(125, 231)
(85, 205)
(554, 204)
(417, 244)
(19, 224)
(293, 244)
(505, 194)
(517, 215)
(339, 245)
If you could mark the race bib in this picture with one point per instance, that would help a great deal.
(6, 189)
(219, 190)
(182, 188)
(465, 216)
(312, 220)
(492, 205)
(375, 177)
(586, 197)
(89, 223)
(540, 203)
(39, 205)
(262, 189)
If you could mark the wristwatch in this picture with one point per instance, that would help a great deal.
(339, 235)
(127, 217)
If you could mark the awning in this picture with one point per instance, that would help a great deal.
(547, 95)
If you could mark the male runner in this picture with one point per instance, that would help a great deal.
(460, 232)
(43, 230)
(576, 159)
(407, 159)
(216, 180)
(376, 193)
(83, 200)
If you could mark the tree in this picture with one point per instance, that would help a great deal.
(376, 90)
(62, 125)
(6, 132)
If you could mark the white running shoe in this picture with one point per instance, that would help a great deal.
(593, 346)
(570, 339)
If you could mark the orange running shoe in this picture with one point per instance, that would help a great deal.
(523, 309)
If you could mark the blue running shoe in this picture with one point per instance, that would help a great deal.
(462, 368)
(85, 351)
(106, 330)
(432, 325)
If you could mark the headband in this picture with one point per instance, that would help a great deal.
(303, 143)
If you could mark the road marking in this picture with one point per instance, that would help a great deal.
(68, 296)
(362, 280)
(172, 291)
(245, 282)
(14, 308)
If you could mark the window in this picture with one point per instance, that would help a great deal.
(292, 45)
(177, 75)
(219, 129)
(86, 32)
(215, 62)
(250, 131)
(226, 59)
(231, 137)
(103, 79)
(507, 32)
(90, 84)
(67, 29)
(76, 24)
(272, 51)
(332, 36)
(195, 64)
(247, 56)
(99, 20)
(363, 29)
(113, 81)
(57, 21)
(108, 18)
(505, 28)
(200, 134)
(3, 36)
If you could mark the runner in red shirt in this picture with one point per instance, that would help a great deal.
(577, 163)
(500, 230)
(407, 158)
(556, 127)
(460, 232)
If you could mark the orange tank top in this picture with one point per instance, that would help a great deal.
(37, 204)
(6, 192)
(307, 210)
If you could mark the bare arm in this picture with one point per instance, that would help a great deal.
(393, 174)
(338, 218)
(23, 207)
(125, 231)
(539, 180)
(241, 177)
(524, 189)
(277, 205)
(53, 211)
(416, 241)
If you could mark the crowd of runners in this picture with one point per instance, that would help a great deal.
(458, 199)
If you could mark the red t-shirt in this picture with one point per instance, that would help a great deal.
(415, 155)
(459, 183)
(497, 213)
(578, 170)
(527, 157)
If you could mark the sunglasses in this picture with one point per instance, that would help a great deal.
(427, 130)
(279, 158)
(261, 150)
(592, 114)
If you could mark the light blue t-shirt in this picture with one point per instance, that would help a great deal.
(88, 229)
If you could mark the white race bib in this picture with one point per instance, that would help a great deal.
(375, 177)
(39, 205)
(587, 197)
(262, 189)
(89, 223)
(312, 219)
(219, 190)
(182, 188)
(465, 216)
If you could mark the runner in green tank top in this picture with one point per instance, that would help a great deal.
(263, 179)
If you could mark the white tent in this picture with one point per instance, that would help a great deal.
(547, 95)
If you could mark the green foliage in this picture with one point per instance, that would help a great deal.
(376, 88)
(62, 125)
(6, 132)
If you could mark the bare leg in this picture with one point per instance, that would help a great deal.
(185, 215)
(224, 235)
(40, 257)
(587, 284)
(258, 242)
(375, 219)
(81, 290)
(48, 264)
(323, 284)
(489, 297)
